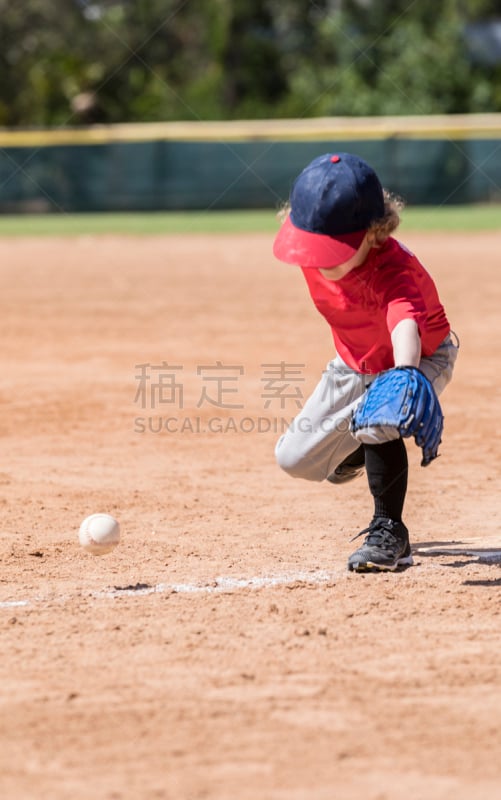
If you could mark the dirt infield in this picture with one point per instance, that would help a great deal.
(222, 651)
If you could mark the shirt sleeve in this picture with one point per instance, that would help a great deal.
(401, 297)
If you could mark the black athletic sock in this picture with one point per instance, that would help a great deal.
(387, 468)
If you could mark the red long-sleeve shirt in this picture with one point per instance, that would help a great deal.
(364, 307)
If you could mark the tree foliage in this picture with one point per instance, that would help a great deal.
(68, 62)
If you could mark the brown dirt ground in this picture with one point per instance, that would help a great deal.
(222, 651)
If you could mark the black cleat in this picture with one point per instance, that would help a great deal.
(352, 466)
(386, 547)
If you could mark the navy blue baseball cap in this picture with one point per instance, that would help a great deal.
(333, 202)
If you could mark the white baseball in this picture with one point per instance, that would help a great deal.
(99, 534)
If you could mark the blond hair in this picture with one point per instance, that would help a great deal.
(384, 226)
(283, 212)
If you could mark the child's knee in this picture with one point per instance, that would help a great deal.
(294, 463)
(285, 456)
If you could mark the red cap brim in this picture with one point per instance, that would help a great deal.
(295, 246)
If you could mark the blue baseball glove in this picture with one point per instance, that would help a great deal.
(402, 398)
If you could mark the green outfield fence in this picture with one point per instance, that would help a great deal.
(438, 160)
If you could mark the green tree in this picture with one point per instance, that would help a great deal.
(66, 62)
(391, 58)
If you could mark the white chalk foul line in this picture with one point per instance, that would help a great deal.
(14, 603)
(220, 584)
(225, 584)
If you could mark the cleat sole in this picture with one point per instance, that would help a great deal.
(370, 566)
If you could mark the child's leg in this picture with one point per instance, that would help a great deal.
(319, 438)
(387, 469)
(386, 546)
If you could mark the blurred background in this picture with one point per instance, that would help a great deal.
(93, 94)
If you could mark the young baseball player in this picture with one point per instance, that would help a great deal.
(385, 314)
